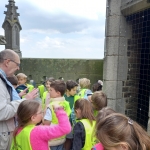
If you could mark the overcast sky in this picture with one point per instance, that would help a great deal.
(60, 28)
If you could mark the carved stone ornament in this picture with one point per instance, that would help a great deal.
(2, 40)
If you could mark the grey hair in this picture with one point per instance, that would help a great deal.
(6, 54)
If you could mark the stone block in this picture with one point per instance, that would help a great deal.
(116, 46)
(123, 27)
(112, 26)
(113, 7)
(113, 89)
(123, 46)
(110, 68)
(122, 68)
(120, 106)
(115, 68)
(111, 103)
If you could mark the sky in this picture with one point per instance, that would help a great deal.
(60, 28)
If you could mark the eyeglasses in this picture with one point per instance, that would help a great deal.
(13, 61)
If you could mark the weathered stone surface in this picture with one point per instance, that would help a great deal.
(114, 7)
(115, 68)
(113, 89)
(120, 105)
(12, 28)
(39, 69)
(2, 40)
(110, 68)
(112, 104)
(129, 7)
(112, 28)
(122, 68)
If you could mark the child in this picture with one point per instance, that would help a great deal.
(83, 138)
(57, 90)
(98, 100)
(97, 86)
(69, 96)
(85, 91)
(22, 79)
(27, 136)
(118, 132)
(46, 95)
(102, 114)
(71, 89)
(14, 81)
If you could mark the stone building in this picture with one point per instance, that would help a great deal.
(127, 58)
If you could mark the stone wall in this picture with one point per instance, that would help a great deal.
(126, 62)
(39, 69)
(115, 60)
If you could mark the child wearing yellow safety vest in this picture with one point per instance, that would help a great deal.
(28, 136)
(84, 84)
(57, 90)
(22, 80)
(46, 94)
(83, 131)
(84, 92)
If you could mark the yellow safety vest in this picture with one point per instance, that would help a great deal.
(90, 139)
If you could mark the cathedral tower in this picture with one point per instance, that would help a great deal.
(12, 28)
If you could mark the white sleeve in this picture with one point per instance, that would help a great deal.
(48, 115)
(8, 108)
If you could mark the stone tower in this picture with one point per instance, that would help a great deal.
(12, 27)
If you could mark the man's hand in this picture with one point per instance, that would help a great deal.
(31, 95)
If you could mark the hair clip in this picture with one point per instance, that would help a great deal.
(130, 121)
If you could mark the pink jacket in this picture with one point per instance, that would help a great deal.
(98, 146)
(40, 135)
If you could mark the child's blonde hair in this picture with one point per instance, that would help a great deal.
(116, 129)
(21, 75)
(84, 83)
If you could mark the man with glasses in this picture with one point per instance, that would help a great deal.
(9, 98)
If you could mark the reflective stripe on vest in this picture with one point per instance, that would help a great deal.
(23, 139)
(90, 139)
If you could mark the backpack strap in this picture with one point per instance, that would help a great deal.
(9, 88)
